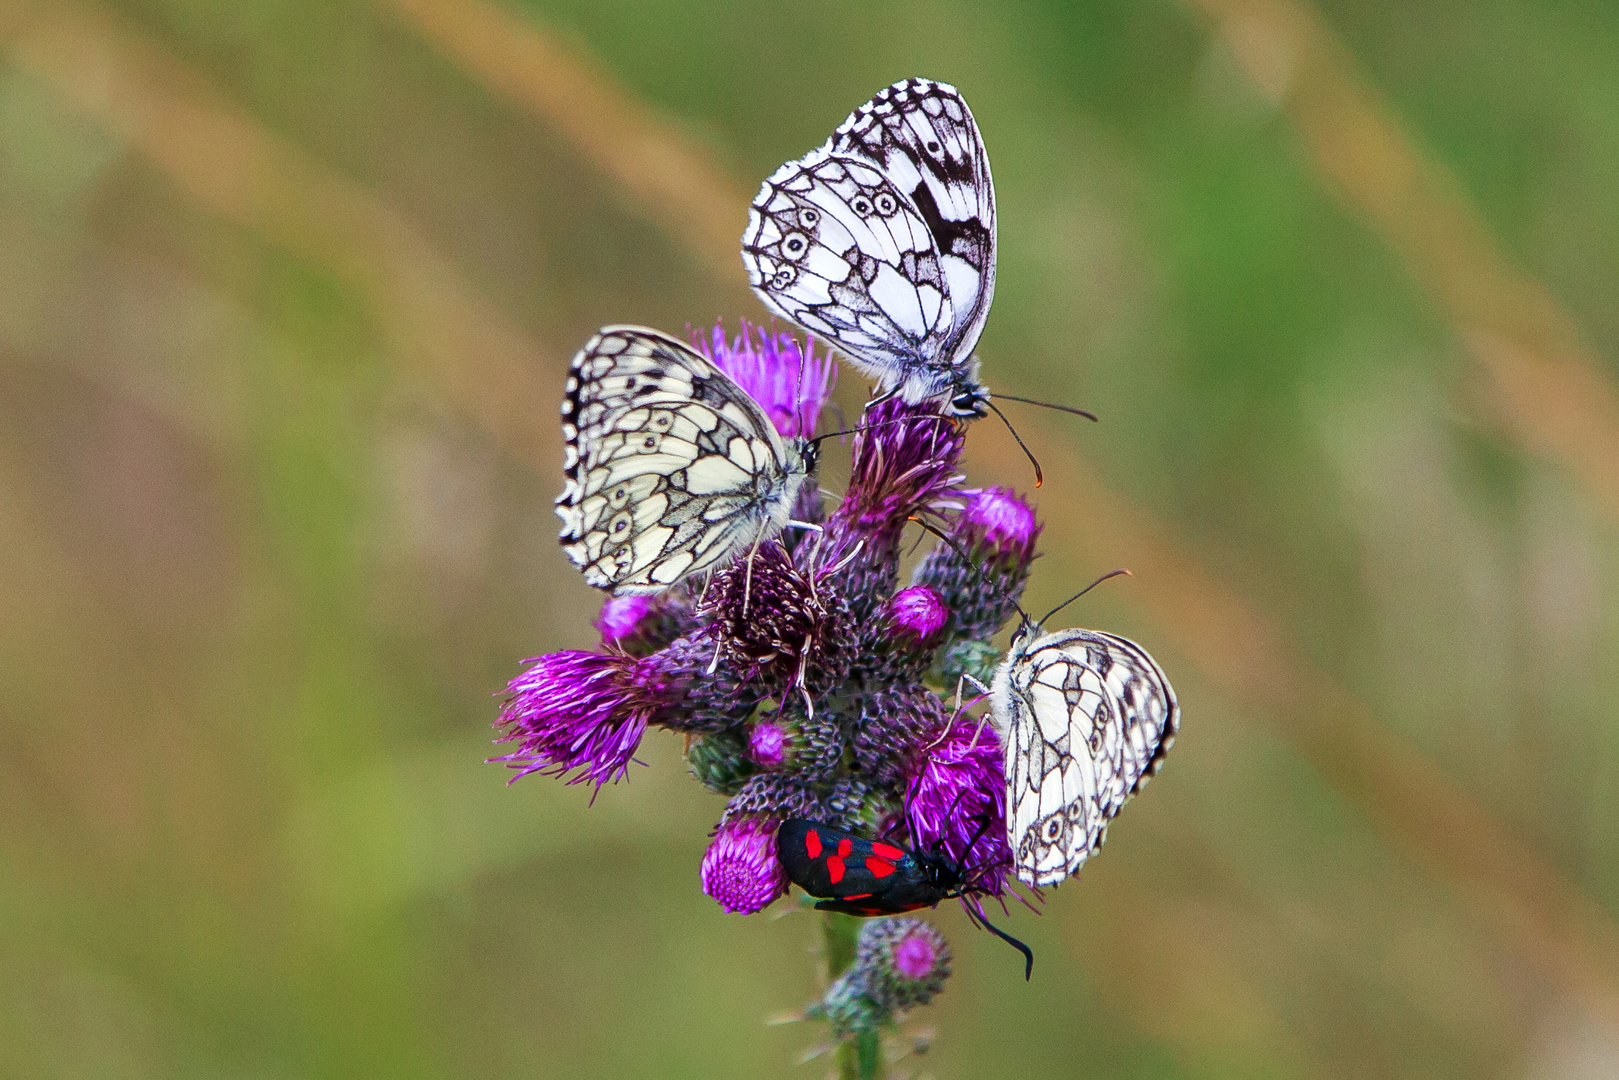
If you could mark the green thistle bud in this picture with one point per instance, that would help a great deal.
(719, 760)
(902, 962)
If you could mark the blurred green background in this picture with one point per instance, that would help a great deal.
(287, 288)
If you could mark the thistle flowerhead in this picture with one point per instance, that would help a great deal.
(787, 378)
(980, 573)
(581, 710)
(903, 961)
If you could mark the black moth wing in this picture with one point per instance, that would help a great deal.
(855, 875)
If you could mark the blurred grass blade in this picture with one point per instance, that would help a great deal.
(1540, 377)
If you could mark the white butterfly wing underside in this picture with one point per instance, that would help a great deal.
(1091, 717)
(882, 241)
(671, 467)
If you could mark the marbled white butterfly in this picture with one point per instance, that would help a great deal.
(671, 467)
(1086, 719)
(882, 243)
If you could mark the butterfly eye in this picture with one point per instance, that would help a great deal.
(861, 205)
(809, 217)
(793, 245)
(783, 277)
(886, 204)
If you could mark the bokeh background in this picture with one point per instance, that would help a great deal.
(287, 288)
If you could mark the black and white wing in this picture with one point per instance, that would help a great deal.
(1086, 718)
(671, 466)
(882, 241)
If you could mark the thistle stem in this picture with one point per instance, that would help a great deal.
(860, 1057)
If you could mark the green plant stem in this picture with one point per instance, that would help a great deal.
(859, 1058)
(838, 935)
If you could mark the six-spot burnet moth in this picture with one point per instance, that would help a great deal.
(872, 877)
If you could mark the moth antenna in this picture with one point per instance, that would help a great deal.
(1086, 589)
(1039, 477)
(1048, 405)
(980, 919)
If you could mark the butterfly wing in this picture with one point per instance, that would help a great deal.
(1090, 717)
(670, 466)
(835, 247)
(882, 242)
(922, 136)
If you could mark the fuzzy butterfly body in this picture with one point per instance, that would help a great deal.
(1086, 719)
(882, 243)
(671, 467)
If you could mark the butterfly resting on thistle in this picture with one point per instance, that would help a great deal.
(672, 467)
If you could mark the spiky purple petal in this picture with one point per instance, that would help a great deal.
(788, 380)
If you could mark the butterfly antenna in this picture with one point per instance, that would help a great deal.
(968, 560)
(1110, 574)
(1039, 477)
(881, 423)
(1047, 405)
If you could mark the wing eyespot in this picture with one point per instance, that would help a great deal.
(783, 277)
(794, 246)
(861, 205)
(887, 204)
(650, 443)
(809, 217)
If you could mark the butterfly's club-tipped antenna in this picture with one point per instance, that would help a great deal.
(1121, 572)
(1039, 477)
(1047, 405)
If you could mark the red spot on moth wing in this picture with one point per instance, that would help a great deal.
(844, 847)
(888, 851)
(858, 896)
(879, 868)
(834, 869)
(812, 844)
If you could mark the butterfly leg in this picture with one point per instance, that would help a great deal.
(747, 575)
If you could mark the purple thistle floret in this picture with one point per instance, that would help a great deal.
(767, 744)
(916, 956)
(581, 710)
(996, 518)
(981, 573)
(741, 869)
(918, 613)
(957, 792)
(621, 616)
(788, 380)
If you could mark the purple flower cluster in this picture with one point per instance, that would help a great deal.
(808, 681)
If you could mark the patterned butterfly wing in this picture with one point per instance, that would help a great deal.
(882, 242)
(922, 136)
(670, 466)
(834, 246)
(1088, 718)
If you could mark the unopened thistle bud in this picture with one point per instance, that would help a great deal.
(980, 574)
(720, 760)
(903, 962)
